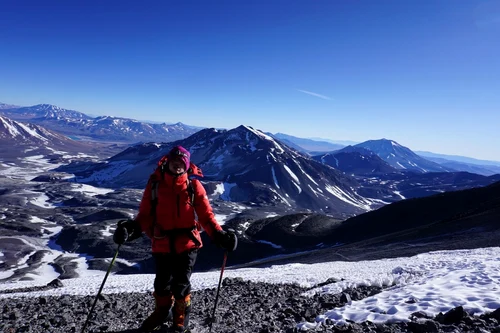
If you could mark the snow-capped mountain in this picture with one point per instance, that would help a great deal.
(356, 160)
(379, 180)
(401, 157)
(13, 133)
(20, 141)
(130, 130)
(242, 164)
(103, 128)
(42, 112)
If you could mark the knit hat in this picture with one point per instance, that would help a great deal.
(182, 153)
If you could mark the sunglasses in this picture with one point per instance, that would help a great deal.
(179, 153)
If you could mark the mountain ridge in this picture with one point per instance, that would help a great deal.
(103, 128)
(458, 158)
(75, 123)
(356, 160)
(400, 157)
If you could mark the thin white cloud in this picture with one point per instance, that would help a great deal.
(314, 94)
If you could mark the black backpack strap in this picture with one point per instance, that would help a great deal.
(154, 201)
(190, 189)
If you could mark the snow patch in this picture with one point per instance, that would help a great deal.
(274, 178)
(34, 219)
(298, 187)
(32, 132)
(340, 194)
(399, 194)
(41, 200)
(89, 189)
(269, 243)
(219, 189)
(290, 172)
(402, 166)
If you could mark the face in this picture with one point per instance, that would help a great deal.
(176, 166)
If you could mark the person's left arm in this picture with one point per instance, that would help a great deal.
(206, 216)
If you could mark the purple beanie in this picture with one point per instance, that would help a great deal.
(179, 151)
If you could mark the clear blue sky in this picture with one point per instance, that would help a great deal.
(424, 73)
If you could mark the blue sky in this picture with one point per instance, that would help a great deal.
(423, 73)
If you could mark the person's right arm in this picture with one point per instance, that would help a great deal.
(144, 218)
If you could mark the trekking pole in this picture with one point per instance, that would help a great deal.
(218, 289)
(100, 289)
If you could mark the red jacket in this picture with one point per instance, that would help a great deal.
(176, 228)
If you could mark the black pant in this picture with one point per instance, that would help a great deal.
(173, 273)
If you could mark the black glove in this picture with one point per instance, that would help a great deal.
(126, 230)
(226, 239)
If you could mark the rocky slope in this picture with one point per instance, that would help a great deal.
(243, 307)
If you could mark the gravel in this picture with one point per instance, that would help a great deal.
(243, 307)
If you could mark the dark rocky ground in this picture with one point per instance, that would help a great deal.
(243, 307)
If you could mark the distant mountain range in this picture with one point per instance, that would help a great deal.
(105, 128)
(486, 170)
(42, 112)
(116, 129)
(461, 163)
(377, 156)
(378, 178)
(245, 165)
(253, 166)
(457, 158)
(307, 145)
(338, 142)
(80, 126)
(384, 149)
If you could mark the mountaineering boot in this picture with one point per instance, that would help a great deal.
(182, 308)
(160, 314)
